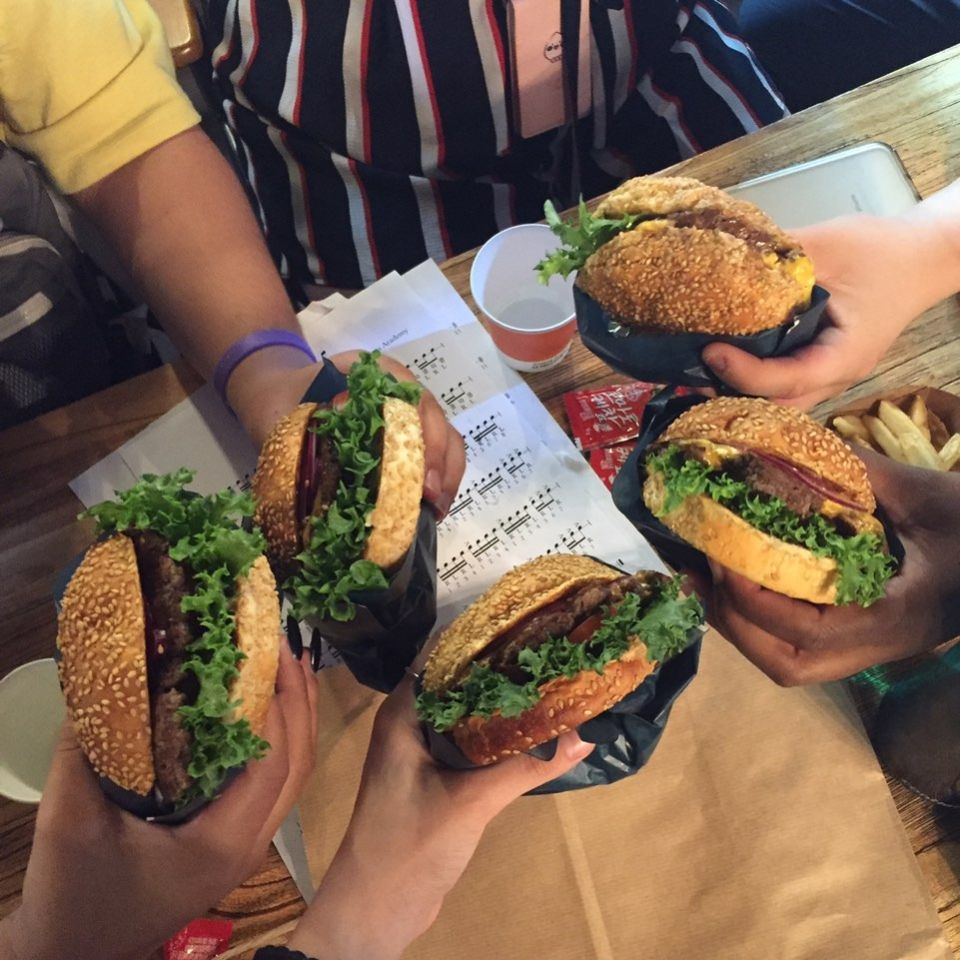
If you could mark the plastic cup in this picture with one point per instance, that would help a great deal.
(31, 714)
(532, 324)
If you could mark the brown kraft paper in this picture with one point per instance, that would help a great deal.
(762, 828)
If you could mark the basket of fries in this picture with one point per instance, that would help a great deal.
(919, 426)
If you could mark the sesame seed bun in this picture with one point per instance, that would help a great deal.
(739, 277)
(101, 639)
(103, 664)
(782, 431)
(258, 637)
(393, 521)
(275, 484)
(565, 702)
(719, 533)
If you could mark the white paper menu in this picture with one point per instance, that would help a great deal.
(526, 490)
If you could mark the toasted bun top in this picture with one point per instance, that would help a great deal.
(513, 597)
(393, 521)
(275, 483)
(780, 431)
(258, 636)
(705, 263)
(665, 195)
(103, 664)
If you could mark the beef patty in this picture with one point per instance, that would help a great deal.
(713, 219)
(328, 475)
(164, 583)
(766, 477)
(558, 619)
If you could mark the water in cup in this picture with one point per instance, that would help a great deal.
(534, 313)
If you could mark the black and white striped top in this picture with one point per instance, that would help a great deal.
(377, 133)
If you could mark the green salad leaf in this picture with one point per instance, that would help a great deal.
(580, 238)
(204, 533)
(664, 623)
(863, 565)
(331, 568)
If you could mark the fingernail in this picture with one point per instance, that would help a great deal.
(294, 637)
(579, 749)
(315, 654)
(432, 486)
(717, 364)
(441, 505)
(716, 571)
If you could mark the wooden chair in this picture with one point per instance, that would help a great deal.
(182, 28)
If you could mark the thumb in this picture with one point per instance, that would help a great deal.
(798, 374)
(505, 781)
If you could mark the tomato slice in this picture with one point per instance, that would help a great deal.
(584, 631)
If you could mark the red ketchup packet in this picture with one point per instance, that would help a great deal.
(607, 461)
(604, 416)
(199, 940)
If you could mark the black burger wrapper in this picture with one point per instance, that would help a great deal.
(391, 624)
(660, 412)
(149, 807)
(675, 358)
(626, 735)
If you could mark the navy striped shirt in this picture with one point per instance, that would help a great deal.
(377, 133)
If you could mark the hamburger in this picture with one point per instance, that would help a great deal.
(555, 642)
(338, 490)
(168, 640)
(673, 255)
(774, 496)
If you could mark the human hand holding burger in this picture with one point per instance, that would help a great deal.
(881, 272)
(414, 828)
(795, 642)
(102, 884)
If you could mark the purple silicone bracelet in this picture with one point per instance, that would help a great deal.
(251, 343)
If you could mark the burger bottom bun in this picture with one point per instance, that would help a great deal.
(564, 704)
(393, 521)
(258, 638)
(723, 536)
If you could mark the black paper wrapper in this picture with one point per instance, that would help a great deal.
(675, 358)
(660, 412)
(390, 625)
(149, 807)
(626, 735)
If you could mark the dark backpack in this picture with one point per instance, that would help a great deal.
(52, 343)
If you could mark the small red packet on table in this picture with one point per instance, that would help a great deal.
(607, 461)
(604, 416)
(199, 940)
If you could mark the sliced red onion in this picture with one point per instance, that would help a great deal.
(307, 478)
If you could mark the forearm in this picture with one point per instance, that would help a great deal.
(9, 949)
(180, 223)
(365, 911)
(935, 224)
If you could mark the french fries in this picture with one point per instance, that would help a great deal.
(909, 433)
(918, 414)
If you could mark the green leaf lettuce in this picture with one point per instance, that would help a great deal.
(580, 238)
(331, 567)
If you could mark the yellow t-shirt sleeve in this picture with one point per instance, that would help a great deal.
(86, 86)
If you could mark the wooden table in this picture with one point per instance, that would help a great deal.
(915, 110)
